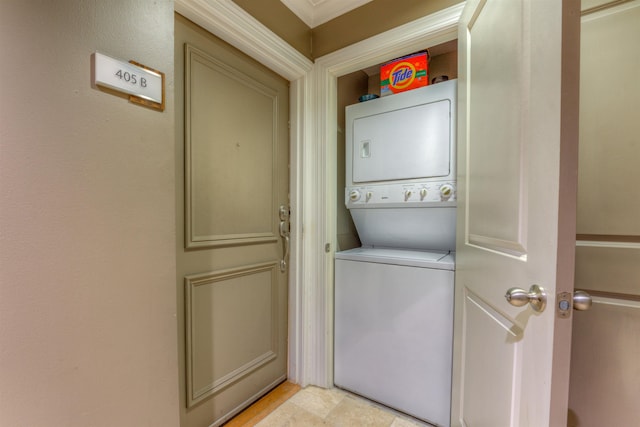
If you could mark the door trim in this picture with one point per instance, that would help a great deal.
(232, 24)
(439, 27)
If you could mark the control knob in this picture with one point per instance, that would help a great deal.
(423, 193)
(446, 191)
(354, 195)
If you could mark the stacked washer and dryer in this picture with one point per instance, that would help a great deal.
(394, 295)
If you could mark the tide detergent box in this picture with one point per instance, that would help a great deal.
(406, 73)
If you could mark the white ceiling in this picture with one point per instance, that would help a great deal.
(316, 12)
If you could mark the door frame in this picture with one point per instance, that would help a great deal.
(313, 169)
(232, 24)
(430, 30)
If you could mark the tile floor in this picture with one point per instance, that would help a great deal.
(313, 406)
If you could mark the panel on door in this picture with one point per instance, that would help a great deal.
(517, 145)
(232, 124)
(231, 146)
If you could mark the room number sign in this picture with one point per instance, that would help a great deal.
(144, 85)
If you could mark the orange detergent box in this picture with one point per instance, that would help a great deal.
(406, 73)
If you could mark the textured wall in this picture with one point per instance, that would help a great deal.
(359, 24)
(87, 220)
(274, 15)
(371, 19)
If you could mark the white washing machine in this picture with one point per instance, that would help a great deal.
(394, 328)
(394, 295)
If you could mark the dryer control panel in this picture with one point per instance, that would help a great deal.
(417, 194)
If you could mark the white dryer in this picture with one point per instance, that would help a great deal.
(394, 295)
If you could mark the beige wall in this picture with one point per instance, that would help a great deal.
(274, 15)
(87, 220)
(371, 19)
(605, 376)
(368, 20)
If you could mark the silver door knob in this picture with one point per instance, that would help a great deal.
(536, 297)
(581, 301)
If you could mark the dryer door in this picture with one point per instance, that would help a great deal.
(408, 143)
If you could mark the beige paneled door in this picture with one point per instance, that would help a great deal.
(232, 125)
(608, 252)
(518, 87)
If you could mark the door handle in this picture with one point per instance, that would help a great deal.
(285, 214)
(582, 301)
(579, 300)
(536, 297)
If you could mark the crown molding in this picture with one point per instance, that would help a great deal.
(232, 24)
(317, 12)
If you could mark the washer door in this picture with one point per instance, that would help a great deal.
(394, 335)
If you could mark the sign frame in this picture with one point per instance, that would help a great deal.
(140, 84)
